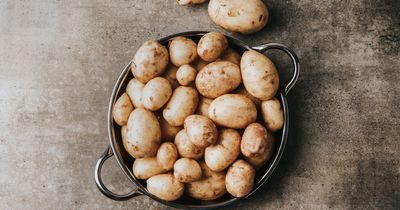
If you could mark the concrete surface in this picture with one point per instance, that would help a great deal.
(60, 59)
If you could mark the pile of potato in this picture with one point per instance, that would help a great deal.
(191, 125)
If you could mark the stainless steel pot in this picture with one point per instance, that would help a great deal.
(125, 161)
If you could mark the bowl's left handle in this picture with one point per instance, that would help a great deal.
(99, 182)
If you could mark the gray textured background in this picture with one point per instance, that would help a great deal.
(60, 59)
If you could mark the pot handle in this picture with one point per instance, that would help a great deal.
(99, 182)
(291, 54)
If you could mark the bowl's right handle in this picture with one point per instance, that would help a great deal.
(99, 182)
(295, 61)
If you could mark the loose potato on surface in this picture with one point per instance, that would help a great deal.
(218, 78)
(245, 17)
(259, 75)
(220, 155)
(144, 133)
(186, 148)
(156, 93)
(165, 186)
(202, 108)
(168, 132)
(121, 110)
(170, 75)
(232, 111)
(211, 46)
(135, 89)
(144, 168)
(187, 170)
(186, 74)
(188, 2)
(183, 103)
(210, 187)
(258, 161)
(149, 61)
(231, 55)
(182, 51)
(242, 91)
(239, 179)
(167, 154)
(256, 140)
(201, 131)
(273, 114)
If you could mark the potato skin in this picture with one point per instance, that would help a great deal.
(204, 104)
(135, 89)
(235, 16)
(242, 91)
(210, 187)
(259, 75)
(211, 46)
(144, 168)
(186, 148)
(144, 133)
(187, 170)
(259, 161)
(168, 132)
(182, 51)
(232, 111)
(189, 2)
(186, 74)
(167, 154)
(256, 140)
(149, 61)
(273, 114)
(200, 64)
(201, 131)
(170, 75)
(239, 179)
(183, 103)
(165, 186)
(218, 78)
(156, 93)
(231, 55)
(121, 110)
(220, 155)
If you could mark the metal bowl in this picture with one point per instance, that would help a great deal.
(125, 161)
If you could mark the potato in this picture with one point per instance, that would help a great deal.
(186, 148)
(256, 140)
(149, 61)
(186, 74)
(188, 2)
(187, 170)
(218, 78)
(239, 179)
(231, 55)
(199, 64)
(259, 75)
(168, 132)
(182, 51)
(202, 108)
(201, 131)
(144, 168)
(156, 93)
(121, 110)
(242, 91)
(259, 161)
(232, 111)
(183, 103)
(210, 187)
(220, 155)
(167, 154)
(170, 75)
(165, 186)
(124, 131)
(211, 46)
(135, 89)
(237, 16)
(144, 133)
(273, 114)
